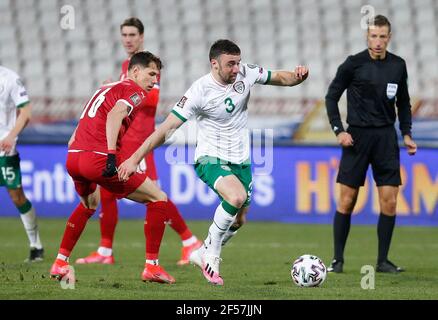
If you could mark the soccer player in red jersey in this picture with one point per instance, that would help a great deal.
(94, 151)
(132, 35)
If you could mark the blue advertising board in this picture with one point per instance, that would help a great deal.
(290, 184)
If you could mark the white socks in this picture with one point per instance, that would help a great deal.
(189, 241)
(106, 252)
(31, 227)
(228, 235)
(62, 257)
(221, 223)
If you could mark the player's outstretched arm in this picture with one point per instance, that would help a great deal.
(129, 167)
(289, 78)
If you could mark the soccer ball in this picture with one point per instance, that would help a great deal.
(308, 271)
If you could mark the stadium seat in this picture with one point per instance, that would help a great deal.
(81, 69)
(7, 34)
(83, 87)
(78, 50)
(5, 17)
(33, 68)
(11, 63)
(102, 50)
(9, 51)
(36, 86)
(59, 86)
(47, 5)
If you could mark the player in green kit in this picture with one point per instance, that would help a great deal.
(219, 101)
(13, 98)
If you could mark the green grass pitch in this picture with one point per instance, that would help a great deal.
(256, 264)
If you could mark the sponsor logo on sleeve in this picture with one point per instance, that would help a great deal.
(182, 102)
(391, 90)
(23, 94)
(239, 87)
(135, 98)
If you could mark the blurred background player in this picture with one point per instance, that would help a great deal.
(94, 152)
(13, 99)
(222, 158)
(132, 36)
(375, 80)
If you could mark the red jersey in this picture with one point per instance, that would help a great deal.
(91, 130)
(124, 73)
(144, 123)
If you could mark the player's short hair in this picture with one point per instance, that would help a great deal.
(379, 21)
(144, 58)
(133, 22)
(223, 46)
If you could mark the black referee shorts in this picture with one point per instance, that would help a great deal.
(375, 146)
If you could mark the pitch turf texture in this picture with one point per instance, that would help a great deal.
(256, 264)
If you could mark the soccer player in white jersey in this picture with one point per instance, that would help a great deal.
(13, 99)
(219, 101)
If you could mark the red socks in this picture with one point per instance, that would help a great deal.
(75, 225)
(108, 218)
(157, 214)
(177, 222)
(154, 227)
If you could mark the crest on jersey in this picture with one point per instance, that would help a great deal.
(182, 102)
(135, 98)
(391, 90)
(239, 87)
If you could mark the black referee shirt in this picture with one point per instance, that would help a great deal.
(374, 87)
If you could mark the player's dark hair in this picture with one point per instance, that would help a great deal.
(133, 22)
(223, 46)
(144, 58)
(379, 21)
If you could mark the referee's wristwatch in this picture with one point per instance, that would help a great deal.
(337, 130)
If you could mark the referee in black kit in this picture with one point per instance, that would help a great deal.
(376, 81)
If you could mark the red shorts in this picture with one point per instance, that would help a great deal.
(86, 168)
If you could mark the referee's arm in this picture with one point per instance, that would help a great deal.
(405, 114)
(404, 106)
(342, 80)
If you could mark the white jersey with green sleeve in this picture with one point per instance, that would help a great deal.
(221, 112)
(13, 95)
